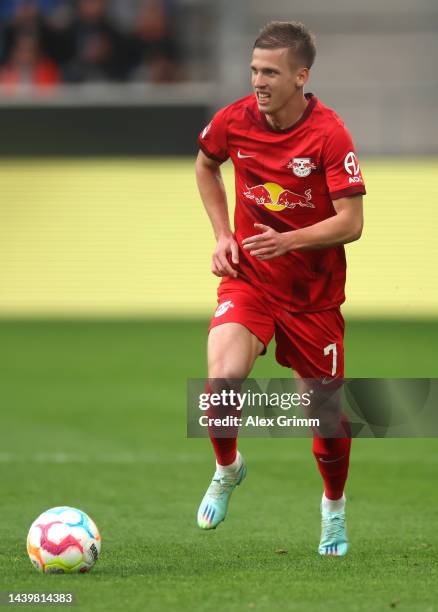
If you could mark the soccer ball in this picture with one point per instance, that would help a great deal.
(63, 540)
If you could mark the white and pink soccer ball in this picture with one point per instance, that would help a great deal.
(63, 540)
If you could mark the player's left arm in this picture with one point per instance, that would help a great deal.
(345, 226)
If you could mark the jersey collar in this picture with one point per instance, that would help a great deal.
(309, 108)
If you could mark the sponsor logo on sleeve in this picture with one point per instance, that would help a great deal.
(352, 167)
(205, 130)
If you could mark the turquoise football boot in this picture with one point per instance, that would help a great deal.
(334, 540)
(214, 505)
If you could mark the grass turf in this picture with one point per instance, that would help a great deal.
(94, 416)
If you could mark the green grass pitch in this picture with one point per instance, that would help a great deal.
(93, 415)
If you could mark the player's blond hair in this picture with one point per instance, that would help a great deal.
(291, 35)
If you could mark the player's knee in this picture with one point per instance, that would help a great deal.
(223, 369)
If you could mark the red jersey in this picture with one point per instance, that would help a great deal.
(287, 179)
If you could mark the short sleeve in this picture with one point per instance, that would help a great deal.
(213, 138)
(342, 171)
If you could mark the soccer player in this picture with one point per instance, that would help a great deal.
(298, 201)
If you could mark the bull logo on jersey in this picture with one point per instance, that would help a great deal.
(275, 197)
(301, 166)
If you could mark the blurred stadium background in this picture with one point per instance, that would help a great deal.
(105, 293)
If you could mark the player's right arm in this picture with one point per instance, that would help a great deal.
(213, 195)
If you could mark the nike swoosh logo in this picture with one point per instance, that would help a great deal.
(327, 381)
(241, 156)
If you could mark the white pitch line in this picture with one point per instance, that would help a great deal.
(99, 458)
(130, 458)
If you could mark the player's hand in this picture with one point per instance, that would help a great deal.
(266, 245)
(226, 249)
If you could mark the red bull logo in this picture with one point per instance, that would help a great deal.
(276, 198)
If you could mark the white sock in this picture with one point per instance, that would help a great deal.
(333, 505)
(232, 468)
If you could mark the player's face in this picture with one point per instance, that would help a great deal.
(275, 79)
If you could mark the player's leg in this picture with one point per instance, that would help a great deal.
(239, 332)
(313, 345)
(232, 351)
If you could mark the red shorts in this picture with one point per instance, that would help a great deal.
(311, 343)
